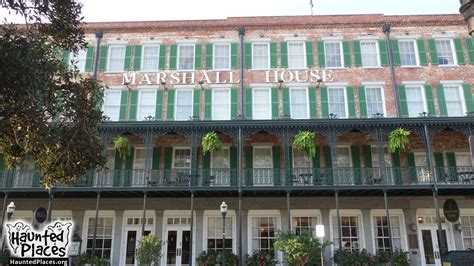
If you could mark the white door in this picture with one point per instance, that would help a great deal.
(177, 249)
(430, 245)
(132, 235)
(263, 166)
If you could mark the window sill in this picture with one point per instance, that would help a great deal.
(449, 66)
(149, 71)
(220, 69)
(335, 68)
(185, 70)
(252, 68)
(415, 66)
(376, 67)
(114, 72)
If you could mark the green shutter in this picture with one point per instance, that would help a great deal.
(396, 170)
(433, 52)
(162, 62)
(367, 151)
(273, 55)
(90, 58)
(347, 53)
(206, 167)
(1, 163)
(123, 105)
(459, 51)
(197, 56)
(383, 52)
(208, 104)
(324, 101)
(328, 178)
(137, 57)
(234, 55)
(351, 101)
(197, 103)
(248, 55)
(422, 52)
(453, 175)
(357, 53)
(275, 103)
(209, 54)
(403, 100)
(233, 166)
(312, 102)
(155, 161)
(430, 99)
(355, 152)
(321, 56)
(284, 54)
(412, 173)
(288, 167)
(173, 56)
(128, 174)
(249, 164)
(396, 52)
(309, 54)
(286, 100)
(316, 166)
(470, 50)
(439, 165)
(103, 57)
(133, 106)
(248, 103)
(117, 169)
(441, 100)
(159, 105)
(128, 58)
(276, 165)
(468, 97)
(167, 164)
(170, 105)
(362, 102)
(234, 103)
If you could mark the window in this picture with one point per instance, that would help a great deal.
(116, 58)
(467, 223)
(221, 104)
(182, 158)
(263, 166)
(214, 233)
(382, 241)
(112, 104)
(337, 102)
(343, 157)
(374, 99)
(333, 53)
(408, 53)
(220, 168)
(369, 53)
(138, 171)
(103, 237)
(147, 103)
(261, 103)
(186, 57)
(221, 56)
(375, 157)
(299, 103)
(300, 159)
(445, 51)
(304, 223)
(80, 59)
(184, 104)
(415, 100)
(463, 159)
(296, 55)
(454, 100)
(350, 232)
(260, 56)
(151, 57)
(264, 229)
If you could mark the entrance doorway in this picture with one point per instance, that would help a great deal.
(132, 233)
(177, 246)
(430, 246)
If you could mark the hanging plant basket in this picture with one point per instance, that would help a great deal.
(211, 142)
(398, 139)
(304, 140)
(123, 146)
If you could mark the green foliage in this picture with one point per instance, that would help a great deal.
(213, 257)
(364, 258)
(398, 139)
(261, 258)
(47, 109)
(300, 249)
(400, 258)
(86, 259)
(304, 140)
(149, 250)
(123, 146)
(211, 142)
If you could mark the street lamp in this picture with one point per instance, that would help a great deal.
(223, 212)
(467, 10)
(10, 210)
(320, 234)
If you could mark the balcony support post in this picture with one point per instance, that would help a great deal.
(288, 206)
(381, 154)
(145, 196)
(338, 220)
(389, 225)
(94, 237)
(149, 144)
(104, 139)
(193, 140)
(191, 230)
(239, 180)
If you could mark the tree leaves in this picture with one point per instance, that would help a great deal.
(211, 142)
(304, 140)
(398, 139)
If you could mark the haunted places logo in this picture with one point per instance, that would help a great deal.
(50, 242)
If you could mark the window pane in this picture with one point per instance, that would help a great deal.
(214, 233)
(182, 158)
(116, 58)
(300, 159)
(184, 104)
(370, 57)
(80, 60)
(147, 104)
(343, 157)
(261, 104)
(221, 56)
(151, 56)
(263, 233)
(333, 54)
(112, 104)
(299, 103)
(304, 223)
(296, 55)
(260, 56)
(263, 157)
(374, 100)
(350, 232)
(139, 162)
(445, 52)
(453, 100)
(221, 104)
(186, 57)
(407, 52)
(103, 237)
(337, 102)
(415, 101)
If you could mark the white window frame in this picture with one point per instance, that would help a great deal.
(342, 54)
(102, 214)
(425, 104)
(140, 91)
(305, 63)
(382, 88)
(143, 56)
(212, 157)
(393, 212)
(174, 156)
(307, 100)
(263, 147)
(253, 56)
(453, 52)
(460, 153)
(468, 213)
(307, 213)
(345, 100)
(269, 102)
(214, 55)
(215, 213)
(461, 94)
(262, 213)
(360, 227)
(109, 54)
(377, 51)
(178, 57)
(417, 54)
(294, 159)
(176, 102)
(214, 101)
(120, 97)
(347, 147)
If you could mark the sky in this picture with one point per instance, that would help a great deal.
(148, 10)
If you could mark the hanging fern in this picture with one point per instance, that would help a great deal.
(211, 142)
(398, 139)
(304, 140)
(123, 146)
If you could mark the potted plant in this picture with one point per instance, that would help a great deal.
(213, 257)
(304, 140)
(211, 142)
(261, 258)
(85, 259)
(123, 146)
(149, 250)
(398, 139)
